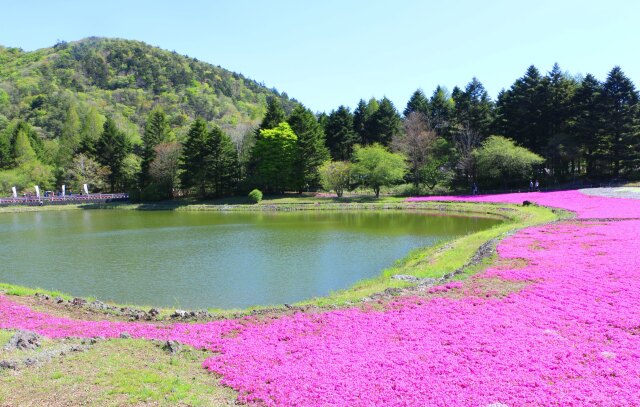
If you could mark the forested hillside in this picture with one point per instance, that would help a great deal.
(59, 99)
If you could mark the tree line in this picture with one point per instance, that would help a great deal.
(555, 127)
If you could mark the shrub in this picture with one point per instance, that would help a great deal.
(255, 196)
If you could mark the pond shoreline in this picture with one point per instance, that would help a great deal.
(385, 286)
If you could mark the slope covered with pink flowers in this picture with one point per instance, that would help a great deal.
(570, 337)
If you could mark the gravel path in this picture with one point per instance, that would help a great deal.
(623, 192)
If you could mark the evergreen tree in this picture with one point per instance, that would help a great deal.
(157, 131)
(23, 152)
(384, 124)
(474, 108)
(340, 134)
(588, 120)
(194, 158)
(362, 122)
(520, 111)
(419, 103)
(557, 116)
(275, 155)
(621, 137)
(441, 112)
(112, 149)
(312, 151)
(274, 116)
(221, 162)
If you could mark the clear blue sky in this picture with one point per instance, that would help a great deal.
(331, 52)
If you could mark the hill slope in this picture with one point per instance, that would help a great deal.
(125, 79)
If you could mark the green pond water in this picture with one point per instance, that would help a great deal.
(212, 259)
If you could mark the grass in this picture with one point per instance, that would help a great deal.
(118, 372)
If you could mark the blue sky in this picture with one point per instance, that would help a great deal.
(327, 53)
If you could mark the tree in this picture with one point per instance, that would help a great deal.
(165, 166)
(520, 111)
(374, 167)
(340, 134)
(384, 124)
(441, 112)
(466, 141)
(86, 170)
(69, 138)
(112, 149)
(194, 157)
(416, 144)
(417, 103)
(311, 151)
(157, 131)
(274, 116)
(474, 108)
(22, 150)
(91, 130)
(621, 133)
(588, 120)
(275, 154)
(221, 162)
(501, 159)
(361, 117)
(335, 176)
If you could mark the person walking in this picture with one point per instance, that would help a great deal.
(530, 185)
(537, 186)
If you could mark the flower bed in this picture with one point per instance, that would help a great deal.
(570, 337)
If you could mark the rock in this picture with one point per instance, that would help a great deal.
(58, 300)
(154, 312)
(125, 335)
(172, 347)
(180, 314)
(427, 281)
(23, 340)
(99, 305)
(527, 203)
(8, 364)
(405, 277)
(78, 302)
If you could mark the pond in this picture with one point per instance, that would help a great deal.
(212, 259)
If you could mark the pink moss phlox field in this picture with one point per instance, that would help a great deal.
(571, 337)
(586, 206)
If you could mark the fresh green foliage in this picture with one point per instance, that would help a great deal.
(157, 131)
(341, 136)
(335, 176)
(275, 154)
(255, 196)
(499, 160)
(374, 167)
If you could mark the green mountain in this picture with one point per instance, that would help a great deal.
(125, 80)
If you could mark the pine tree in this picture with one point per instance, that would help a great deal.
(312, 151)
(194, 158)
(588, 120)
(22, 150)
(384, 124)
(274, 116)
(340, 134)
(157, 131)
(520, 111)
(621, 127)
(221, 162)
(417, 103)
(441, 112)
(474, 108)
(111, 150)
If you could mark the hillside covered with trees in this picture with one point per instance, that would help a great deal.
(122, 115)
(60, 98)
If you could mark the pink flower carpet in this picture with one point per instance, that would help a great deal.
(570, 337)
